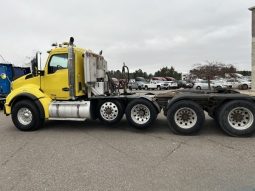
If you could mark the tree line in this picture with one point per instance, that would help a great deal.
(163, 72)
(209, 71)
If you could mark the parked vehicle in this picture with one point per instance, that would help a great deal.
(138, 84)
(165, 80)
(172, 84)
(12, 73)
(5, 85)
(74, 87)
(115, 82)
(150, 86)
(237, 84)
(160, 84)
(158, 78)
(170, 79)
(203, 85)
(184, 84)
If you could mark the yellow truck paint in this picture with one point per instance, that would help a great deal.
(29, 89)
(49, 86)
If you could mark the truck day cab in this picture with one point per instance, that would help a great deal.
(74, 85)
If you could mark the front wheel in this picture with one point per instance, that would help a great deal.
(237, 118)
(110, 112)
(141, 113)
(185, 117)
(158, 88)
(26, 116)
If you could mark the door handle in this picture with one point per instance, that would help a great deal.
(65, 89)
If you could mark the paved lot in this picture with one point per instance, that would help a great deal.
(89, 156)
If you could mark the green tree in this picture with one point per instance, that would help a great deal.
(140, 73)
(168, 72)
(244, 72)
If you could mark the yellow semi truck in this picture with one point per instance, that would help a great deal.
(74, 85)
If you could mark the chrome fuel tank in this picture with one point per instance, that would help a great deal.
(69, 110)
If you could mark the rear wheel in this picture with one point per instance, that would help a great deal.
(245, 87)
(158, 88)
(185, 117)
(198, 88)
(237, 118)
(26, 116)
(141, 113)
(110, 112)
(146, 88)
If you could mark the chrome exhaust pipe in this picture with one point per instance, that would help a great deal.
(71, 68)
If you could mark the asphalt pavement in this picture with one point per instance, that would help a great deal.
(90, 156)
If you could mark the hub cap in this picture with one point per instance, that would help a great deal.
(109, 111)
(240, 118)
(24, 116)
(140, 114)
(185, 118)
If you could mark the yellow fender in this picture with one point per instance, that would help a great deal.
(31, 92)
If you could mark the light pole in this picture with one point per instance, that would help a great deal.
(252, 9)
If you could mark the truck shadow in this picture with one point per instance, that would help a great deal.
(160, 126)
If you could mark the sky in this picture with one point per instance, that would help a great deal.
(145, 34)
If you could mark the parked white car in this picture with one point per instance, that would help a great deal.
(172, 84)
(203, 85)
(238, 84)
(150, 86)
(160, 84)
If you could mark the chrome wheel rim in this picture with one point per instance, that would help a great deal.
(240, 118)
(185, 118)
(24, 116)
(109, 111)
(140, 114)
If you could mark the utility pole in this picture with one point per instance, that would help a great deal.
(252, 9)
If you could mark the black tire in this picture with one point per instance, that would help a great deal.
(245, 112)
(145, 106)
(211, 115)
(139, 87)
(245, 87)
(115, 109)
(130, 88)
(191, 111)
(31, 109)
(198, 88)
(146, 88)
(158, 88)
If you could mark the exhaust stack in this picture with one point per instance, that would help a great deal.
(71, 69)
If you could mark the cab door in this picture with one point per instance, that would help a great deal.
(55, 83)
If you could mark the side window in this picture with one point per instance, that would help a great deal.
(57, 62)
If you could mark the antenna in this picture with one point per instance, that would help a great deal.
(3, 58)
